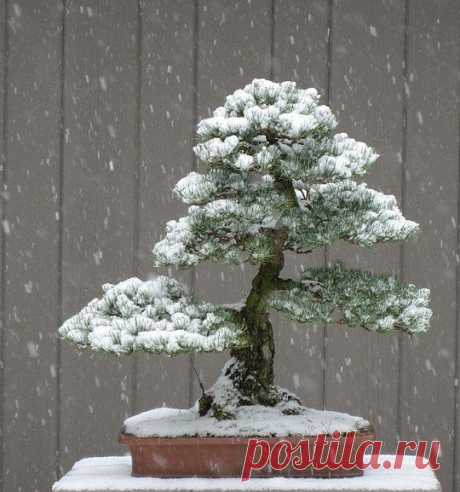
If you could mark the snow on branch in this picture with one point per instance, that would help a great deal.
(224, 230)
(335, 294)
(327, 160)
(348, 211)
(265, 107)
(265, 136)
(280, 129)
(218, 184)
(156, 316)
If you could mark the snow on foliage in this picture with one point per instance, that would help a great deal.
(217, 232)
(335, 294)
(345, 210)
(267, 135)
(327, 159)
(274, 179)
(156, 316)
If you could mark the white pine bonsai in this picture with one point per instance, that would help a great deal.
(275, 180)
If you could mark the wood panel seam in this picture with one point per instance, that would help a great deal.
(196, 54)
(137, 173)
(58, 469)
(403, 200)
(326, 249)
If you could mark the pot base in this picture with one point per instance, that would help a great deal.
(224, 456)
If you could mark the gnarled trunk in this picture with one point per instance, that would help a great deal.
(248, 378)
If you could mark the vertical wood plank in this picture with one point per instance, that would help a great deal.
(166, 137)
(31, 244)
(100, 104)
(234, 47)
(3, 200)
(301, 54)
(431, 198)
(366, 94)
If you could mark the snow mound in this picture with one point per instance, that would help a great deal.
(255, 420)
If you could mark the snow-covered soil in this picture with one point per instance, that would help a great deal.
(251, 421)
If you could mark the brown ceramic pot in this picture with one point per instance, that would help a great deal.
(224, 456)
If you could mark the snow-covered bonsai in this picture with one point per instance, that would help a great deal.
(274, 180)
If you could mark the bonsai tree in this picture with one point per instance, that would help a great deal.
(274, 180)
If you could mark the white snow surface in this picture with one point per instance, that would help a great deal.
(253, 420)
(114, 474)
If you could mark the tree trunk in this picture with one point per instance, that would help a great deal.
(257, 360)
(250, 371)
(248, 379)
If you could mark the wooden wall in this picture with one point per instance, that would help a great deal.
(98, 105)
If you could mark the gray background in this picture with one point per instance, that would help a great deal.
(98, 105)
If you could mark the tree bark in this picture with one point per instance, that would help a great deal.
(257, 360)
(251, 369)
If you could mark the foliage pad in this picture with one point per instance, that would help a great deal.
(336, 294)
(156, 317)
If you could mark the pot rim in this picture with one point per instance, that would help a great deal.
(129, 439)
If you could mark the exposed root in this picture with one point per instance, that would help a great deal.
(234, 388)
